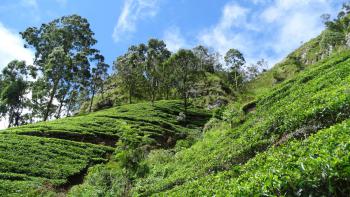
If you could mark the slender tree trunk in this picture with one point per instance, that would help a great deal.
(69, 106)
(52, 95)
(236, 80)
(167, 93)
(130, 93)
(102, 90)
(58, 115)
(152, 91)
(11, 113)
(92, 99)
(185, 94)
(186, 103)
(17, 118)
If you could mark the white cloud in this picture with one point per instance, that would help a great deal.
(132, 12)
(222, 36)
(232, 16)
(174, 39)
(294, 22)
(271, 31)
(11, 47)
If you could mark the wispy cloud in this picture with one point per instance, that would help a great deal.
(271, 31)
(133, 11)
(11, 47)
(24, 9)
(223, 36)
(174, 39)
(294, 22)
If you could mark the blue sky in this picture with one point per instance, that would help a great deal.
(268, 29)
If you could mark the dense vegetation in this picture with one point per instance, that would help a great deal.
(69, 75)
(284, 114)
(190, 128)
(53, 156)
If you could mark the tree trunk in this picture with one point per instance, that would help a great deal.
(153, 91)
(236, 80)
(52, 95)
(186, 104)
(11, 113)
(130, 93)
(17, 118)
(69, 106)
(92, 99)
(58, 115)
(102, 90)
(167, 93)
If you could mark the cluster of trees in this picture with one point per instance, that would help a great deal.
(68, 71)
(341, 22)
(152, 72)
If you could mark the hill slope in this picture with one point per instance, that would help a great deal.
(312, 101)
(53, 156)
(286, 135)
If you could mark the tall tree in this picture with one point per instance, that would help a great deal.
(235, 60)
(168, 80)
(55, 73)
(186, 72)
(157, 54)
(98, 76)
(208, 61)
(62, 48)
(130, 69)
(14, 85)
(253, 70)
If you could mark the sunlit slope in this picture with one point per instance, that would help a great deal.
(303, 58)
(55, 155)
(31, 163)
(313, 100)
(102, 127)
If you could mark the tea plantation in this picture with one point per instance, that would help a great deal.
(267, 150)
(293, 140)
(48, 158)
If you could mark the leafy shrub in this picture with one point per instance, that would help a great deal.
(212, 123)
(331, 39)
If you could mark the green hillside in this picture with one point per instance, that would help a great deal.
(289, 138)
(178, 123)
(262, 155)
(53, 156)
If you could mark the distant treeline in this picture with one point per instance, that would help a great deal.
(68, 72)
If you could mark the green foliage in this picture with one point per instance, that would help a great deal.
(128, 165)
(131, 149)
(317, 98)
(235, 60)
(30, 163)
(45, 157)
(289, 138)
(63, 56)
(101, 180)
(14, 85)
(317, 166)
(186, 72)
(130, 70)
(157, 121)
(331, 39)
(150, 72)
